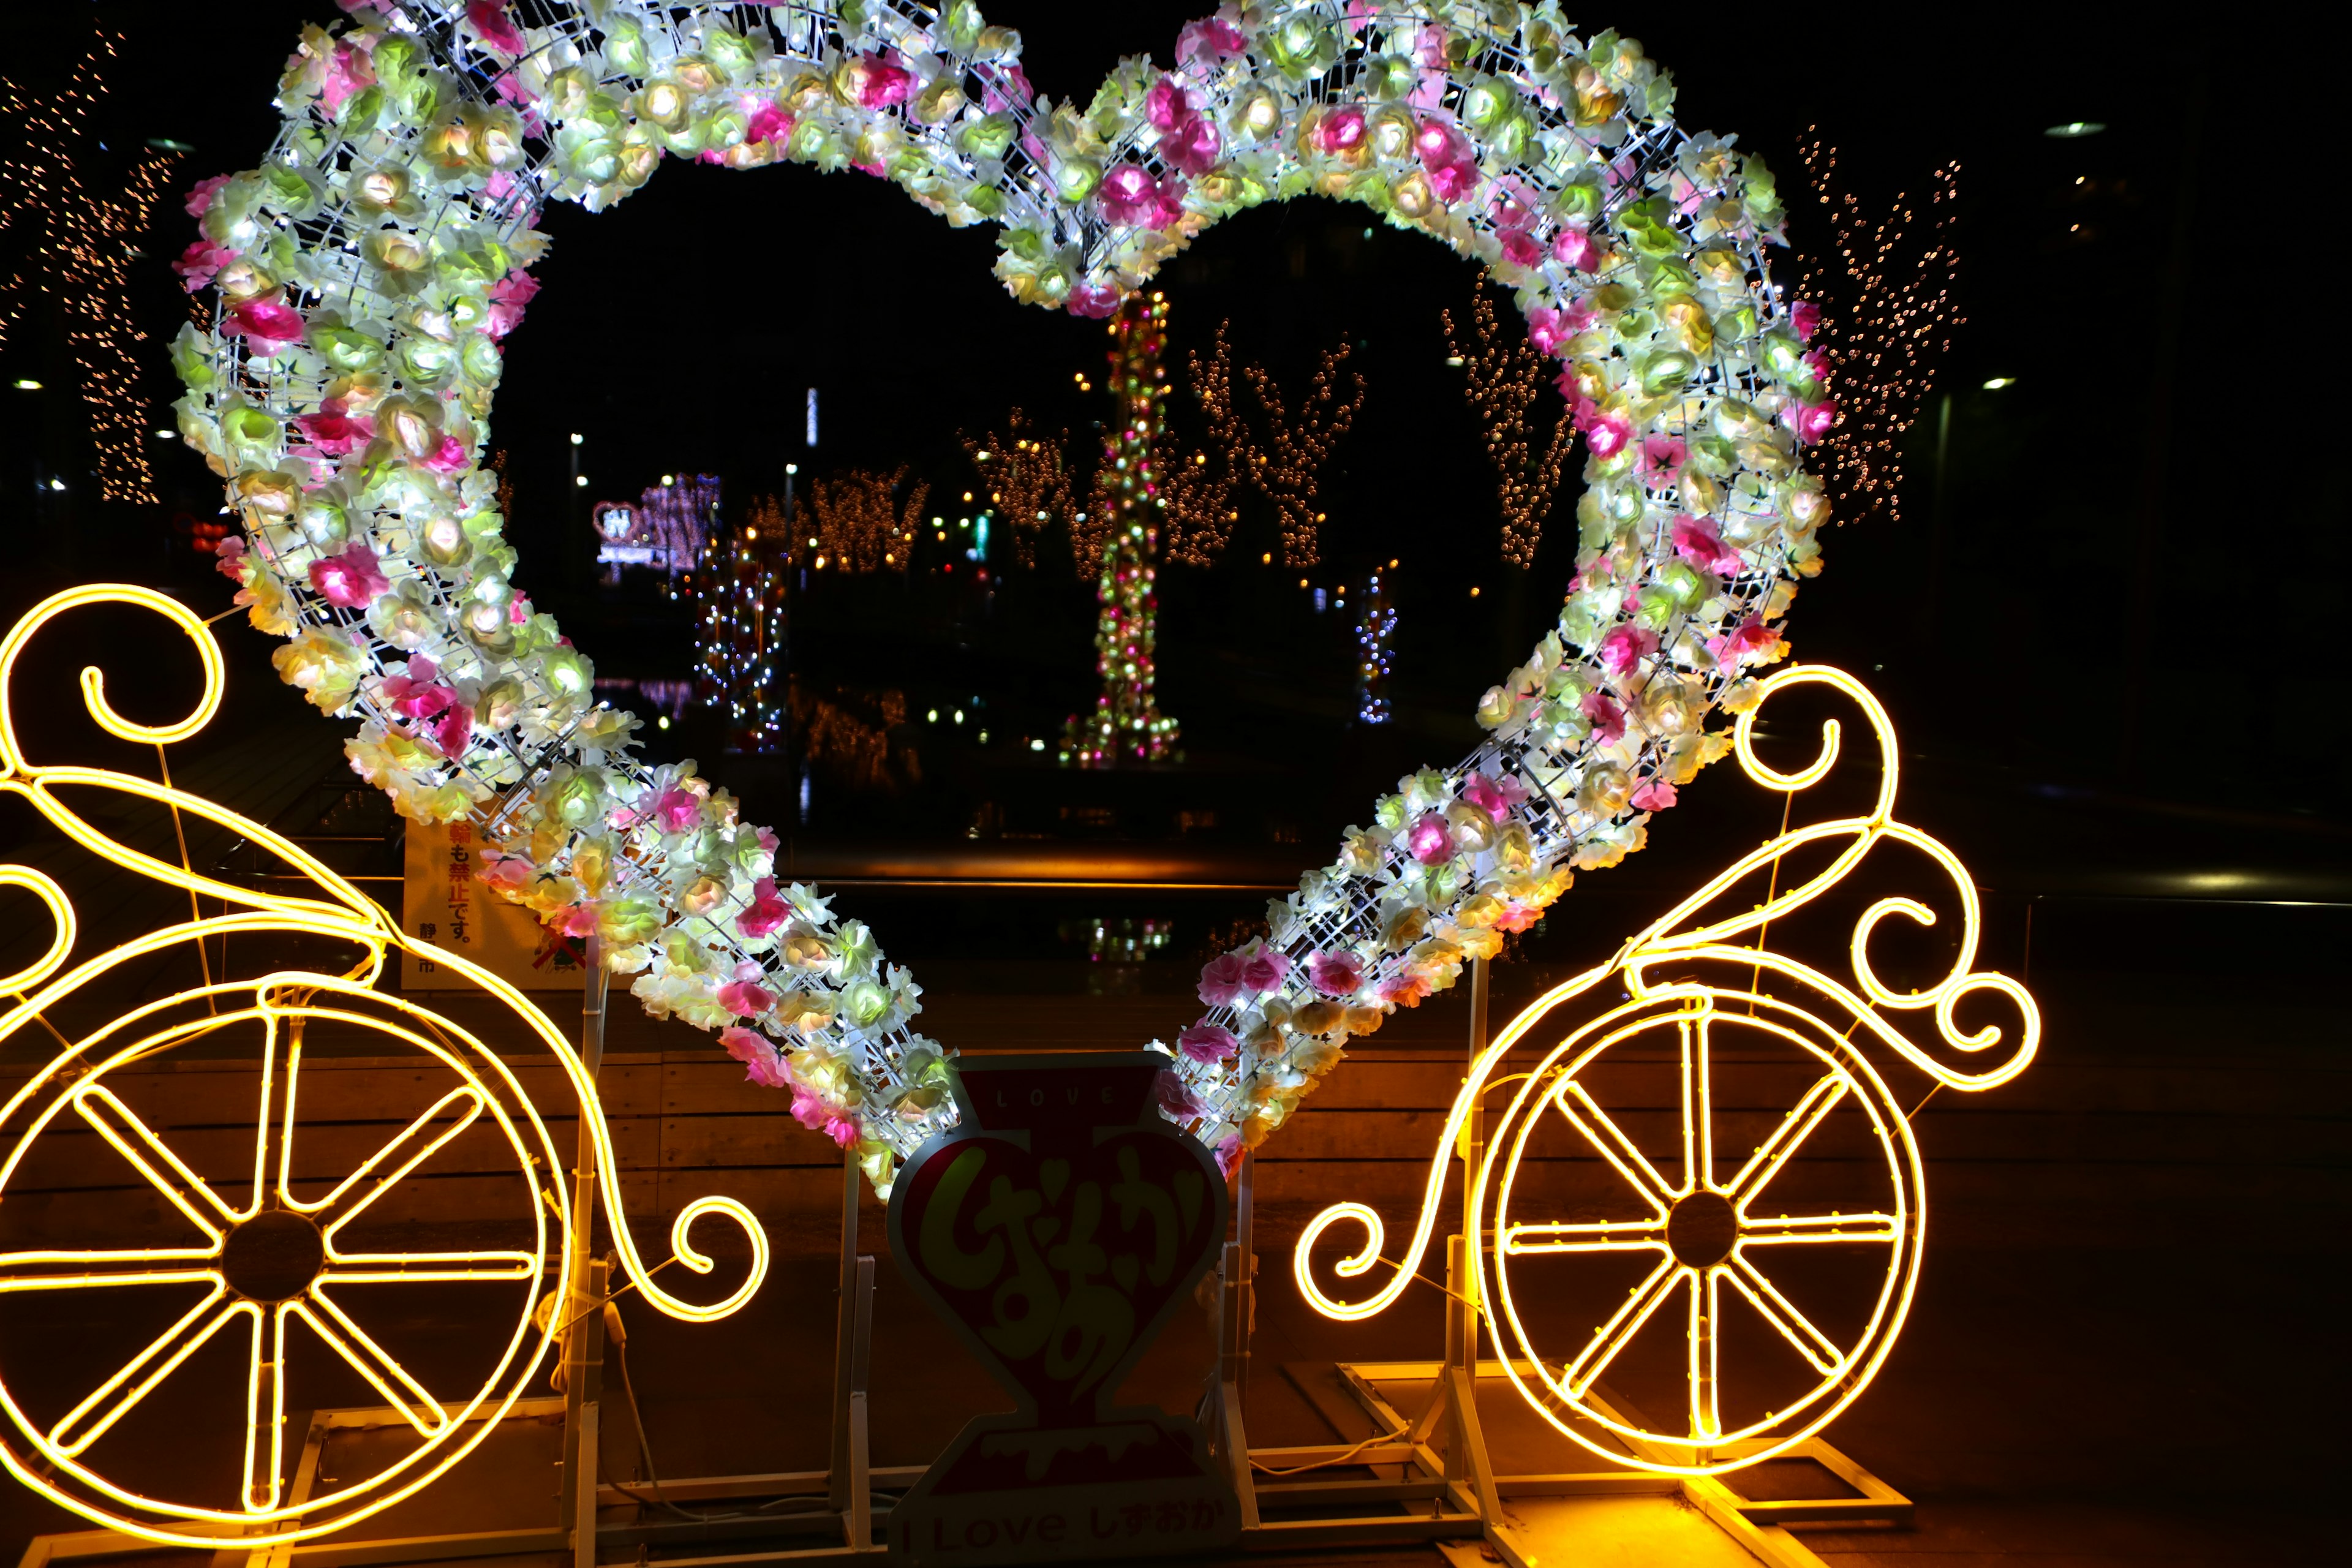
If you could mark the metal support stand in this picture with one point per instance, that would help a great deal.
(584, 1292)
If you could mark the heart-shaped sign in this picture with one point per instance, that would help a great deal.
(1055, 1230)
(368, 271)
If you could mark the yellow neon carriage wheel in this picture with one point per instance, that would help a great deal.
(1713, 1224)
(270, 1259)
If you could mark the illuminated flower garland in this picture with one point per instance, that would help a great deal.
(368, 271)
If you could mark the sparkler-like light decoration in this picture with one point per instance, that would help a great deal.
(859, 524)
(1288, 469)
(1127, 726)
(1708, 1219)
(1887, 315)
(1026, 482)
(1199, 493)
(79, 246)
(1504, 378)
(281, 1255)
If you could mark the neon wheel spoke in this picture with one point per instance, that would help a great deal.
(1600, 1235)
(1587, 1116)
(1612, 1337)
(410, 1268)
(153, 1160)
(1783, 1229)
(265, 1411)
(372, 1361)
(1705, 1301)
(1698, 1109)
(403, 1152)
(1794, 1326)
(137, 1378)
(58, 1270)
(1816, 1103)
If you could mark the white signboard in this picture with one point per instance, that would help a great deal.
(441, 902)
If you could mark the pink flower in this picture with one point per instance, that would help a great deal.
(679, 809)
(1187, 139)
(1520, 250)
(1264, 970)
(1229, 1153)
(881, 84)
(1606, 719)
(1004, 86)
(1221, 981)
(200, 262)
(334, 431)
(1447, 156)
(1608, 434)
(1429, 840)
(503, 870)
(1804, 320)
(1575, 248)
(417, 694)
(454, 730)
(1129, 195)
(1662, 459)
(768, 839)
(200, 194)
(1336, 973)
(270, 323)
(1814, 420)
(767, 911)
(351, 579)
(1548, 329)
(1207, 1042)
(760, 1063)
(447, 458)
(1698, 541)
(1212, 39)
(1745, 643)
(811, 1111)
(228, 556)
(1656, 795)
(1626, 646)
(580, 920)
(744, 995)
(1095, 301)
(1175, 1097)
(509, 295)
(494, 27)
(1518, 917)
(769, 123)
(1493, 797)
(1342, 131)
(349, 66)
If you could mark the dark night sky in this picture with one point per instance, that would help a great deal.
(678, 331)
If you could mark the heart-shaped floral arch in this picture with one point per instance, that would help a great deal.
(367, 272)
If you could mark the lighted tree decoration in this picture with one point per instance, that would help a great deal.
(1127, 726)
(859, 523)
(1503, 379)
(1288, 469)
(1196, 494)
(679, 520)
(1028, 483)
(744, 624)
(1886, 318)
(1375, 628)
(76, 247)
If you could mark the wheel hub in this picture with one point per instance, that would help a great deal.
(1702, 1229)
(273, 1256)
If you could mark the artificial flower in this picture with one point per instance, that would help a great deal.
(1207, 1042)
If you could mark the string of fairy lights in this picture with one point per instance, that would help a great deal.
(860, 525)
(1375, 629)
(79, 247)
(1199, 493)
(1502, 379)
(1127, 726)
(1887, 316)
